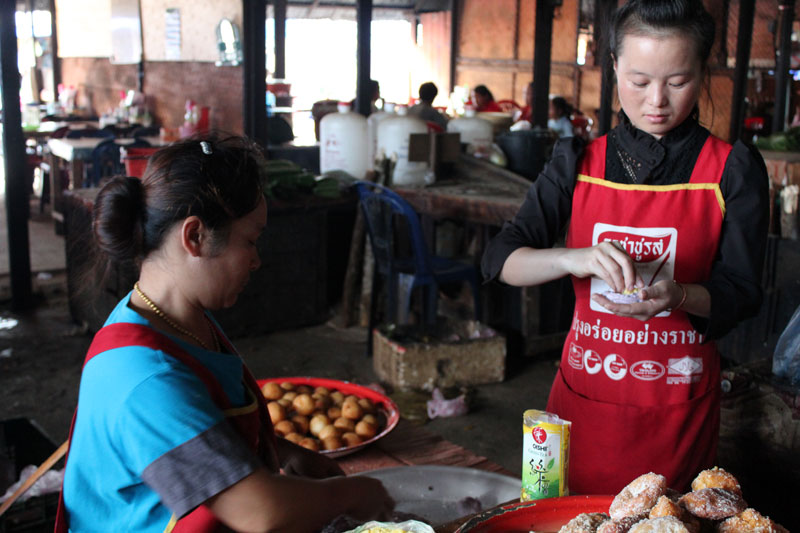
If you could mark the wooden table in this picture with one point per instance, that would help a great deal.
(411, 445)
(75, 152)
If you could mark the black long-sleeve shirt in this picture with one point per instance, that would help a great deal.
(634, 156)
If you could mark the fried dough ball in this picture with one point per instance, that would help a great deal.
(666, 506)
(301, 423)
(334, 412)
(638, 497)
(311, 444)
(322, 390)
(284, 427)
(272, 391)
(716, 478)
(663, 524)
(317, 423)
(366, 430)
(713, 503)
(618, 526)
(303, 404)
(351, 398)
(372, 419)
(329, 431)
(332, 443)
(290, 395)
(337, 398)
(750, 521)
(304, 389)
(286, 404)
(294, 437)
(277, 412)
(351, 439)
(321, 403)
(345, 424)
(584, 523)
(366, 405)
(352, 410)
(285, 385)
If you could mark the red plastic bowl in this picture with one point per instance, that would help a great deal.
(384, 403)
(543, 516)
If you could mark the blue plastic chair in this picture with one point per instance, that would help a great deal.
(107, 160)
(383, 209)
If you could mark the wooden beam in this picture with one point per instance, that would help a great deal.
(454, 29)
(254, 16)
(364, 36)
(543, 44)
(783, 63)
(17, 185)
(279, 8)
(744, 41)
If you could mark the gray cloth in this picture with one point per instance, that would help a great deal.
(428, 113)
(200, 468)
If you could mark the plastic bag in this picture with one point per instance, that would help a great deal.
(49, 482)
(786, 359)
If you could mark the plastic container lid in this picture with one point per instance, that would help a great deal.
(343, 107)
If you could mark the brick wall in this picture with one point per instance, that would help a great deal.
(167, 85)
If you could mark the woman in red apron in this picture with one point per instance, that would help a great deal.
(667, 229)
(172, 432)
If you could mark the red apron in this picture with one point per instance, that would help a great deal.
(642, 396)
(252, 421)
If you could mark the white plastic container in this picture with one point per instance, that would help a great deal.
(343, 142)
(476, 133)
(372, 131)
(393, 139)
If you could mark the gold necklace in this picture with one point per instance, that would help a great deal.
(173, 324)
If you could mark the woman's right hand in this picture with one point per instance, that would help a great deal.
(608, 261)
(369, 499)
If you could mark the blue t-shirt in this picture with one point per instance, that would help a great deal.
(148, 441)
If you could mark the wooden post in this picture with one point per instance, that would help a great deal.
(279, 7)
(543, 43)
(16, 176)
(364, 36)
(783, 62)
(254, 14)
(744, 40)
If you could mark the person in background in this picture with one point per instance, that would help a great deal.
(526, 113)
(667, 228)
(171, 431)
(424, 109)
(559, 117)
(375, 91)
(484, 100)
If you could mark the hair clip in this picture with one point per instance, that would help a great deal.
(206, 147)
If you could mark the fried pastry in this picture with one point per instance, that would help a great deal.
(618, 526)
(750, 521)
(713, 503)
(663, 524)
(638, 497)
(584, 523)
(716, 478)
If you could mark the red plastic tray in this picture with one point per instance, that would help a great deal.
(384, 403)
(542, 516)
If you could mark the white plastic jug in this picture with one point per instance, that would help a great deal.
(476, 133)
(343, 142)
(372, 131)
(393, 139)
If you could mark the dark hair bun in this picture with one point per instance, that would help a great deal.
(118, 212)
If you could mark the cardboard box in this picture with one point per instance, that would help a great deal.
(460, 353)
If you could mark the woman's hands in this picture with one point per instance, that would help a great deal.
(299, 461)
(608, 261)
(655, 299)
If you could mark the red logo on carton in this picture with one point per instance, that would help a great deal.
(539, 435)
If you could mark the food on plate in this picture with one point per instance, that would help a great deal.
(663, 524)
(713, 503)
(584, 523)
(750, 521)
(321, 418)
(628, 296)
(638, 497)
(647, 505)
(716, 478)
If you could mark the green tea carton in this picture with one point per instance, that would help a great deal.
(545, 455)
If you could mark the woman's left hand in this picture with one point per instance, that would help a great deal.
(299, 461)
(655, 299)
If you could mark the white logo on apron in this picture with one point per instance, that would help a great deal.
(653, 250)
(575, 356)
(615, 366)
(592, 361)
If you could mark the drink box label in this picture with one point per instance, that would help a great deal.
(545, 455)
